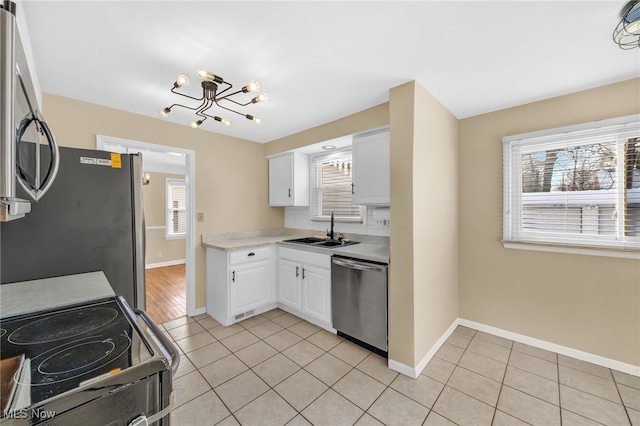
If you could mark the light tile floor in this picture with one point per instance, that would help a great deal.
(276, 369)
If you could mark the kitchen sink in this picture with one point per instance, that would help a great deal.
(306, 240)
(319, 242)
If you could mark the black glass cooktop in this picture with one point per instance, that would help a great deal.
(53, 352)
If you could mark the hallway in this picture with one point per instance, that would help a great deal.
(166, 293)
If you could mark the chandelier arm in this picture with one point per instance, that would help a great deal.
(229, 109)
(207, 115)
(205, 107)
(187, 96)
(221, 98)
(191, 108)
(203, 115)
(235, 102)
(222, 91)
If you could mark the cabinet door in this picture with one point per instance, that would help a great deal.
(289, 283)
(249, 286)
(371, 169)
(316, 285)
(281, 181)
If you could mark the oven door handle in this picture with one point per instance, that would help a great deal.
(168, 346)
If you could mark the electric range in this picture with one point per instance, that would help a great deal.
(96, 363)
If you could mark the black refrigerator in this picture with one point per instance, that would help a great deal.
(91, 219)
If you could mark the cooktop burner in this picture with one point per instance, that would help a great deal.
(62, 326)
(68, 348)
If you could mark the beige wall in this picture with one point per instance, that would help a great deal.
(423, 275)
(231, 174)
(583, 302)
(364, 120)
(435, 220)
(158, 248)
(401, 278)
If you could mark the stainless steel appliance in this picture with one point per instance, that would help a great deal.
(96, 363)
(359, 301)
(22, 127)
(91, 220)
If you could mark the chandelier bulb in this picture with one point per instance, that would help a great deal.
(202, 73)
(252, 86)
(256, 120)
(196, 124)
(181, 80)
(260, 98)
(165, 112)
(224, 121)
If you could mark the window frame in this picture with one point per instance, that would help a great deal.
(515, 236)
(312, 188)
(169, 235)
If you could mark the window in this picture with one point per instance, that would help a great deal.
(576, 186)
(176, 226)
(332, 190)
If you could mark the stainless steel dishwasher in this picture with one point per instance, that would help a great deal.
(359, 301)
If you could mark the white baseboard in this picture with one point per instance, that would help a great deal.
(414, 372)
(563, 350)
(199, 311)
(167, 263)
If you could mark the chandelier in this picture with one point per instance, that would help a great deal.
(211, 96)
(627, 33)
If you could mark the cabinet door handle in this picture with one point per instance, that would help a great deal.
(251, 254)
(289, 192)
(352, 191)
(233, 276)
(297, 271)
(303, 271)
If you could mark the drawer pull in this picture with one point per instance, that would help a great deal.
(251, 254)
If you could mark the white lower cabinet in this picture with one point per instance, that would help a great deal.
(289, 283)
(240, 283)
(249, 286)
(304, 285)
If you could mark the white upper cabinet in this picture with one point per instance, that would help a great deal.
(371, 169)
(289, 179)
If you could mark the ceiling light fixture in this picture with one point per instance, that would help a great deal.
(627, 33)
(211, 96)
(328, 147)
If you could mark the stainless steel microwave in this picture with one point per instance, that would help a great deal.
(28, 153)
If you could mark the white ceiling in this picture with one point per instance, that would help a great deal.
(320, 61)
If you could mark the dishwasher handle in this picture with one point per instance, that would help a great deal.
(360, 266)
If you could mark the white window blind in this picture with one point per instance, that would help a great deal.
(176, 208)
(332, 189)
(576, 186)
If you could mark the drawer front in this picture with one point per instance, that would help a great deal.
(252, 255)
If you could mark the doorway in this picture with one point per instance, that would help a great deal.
(157, 160)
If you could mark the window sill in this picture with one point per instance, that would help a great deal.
(337, 220)
(623, 254)
(175, 237)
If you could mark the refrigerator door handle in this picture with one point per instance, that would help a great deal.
(139, 231)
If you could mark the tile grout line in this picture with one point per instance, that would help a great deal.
(456, 365)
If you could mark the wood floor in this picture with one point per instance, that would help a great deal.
(166, 293)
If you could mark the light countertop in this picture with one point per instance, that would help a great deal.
(31, 296)
(241, 241)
